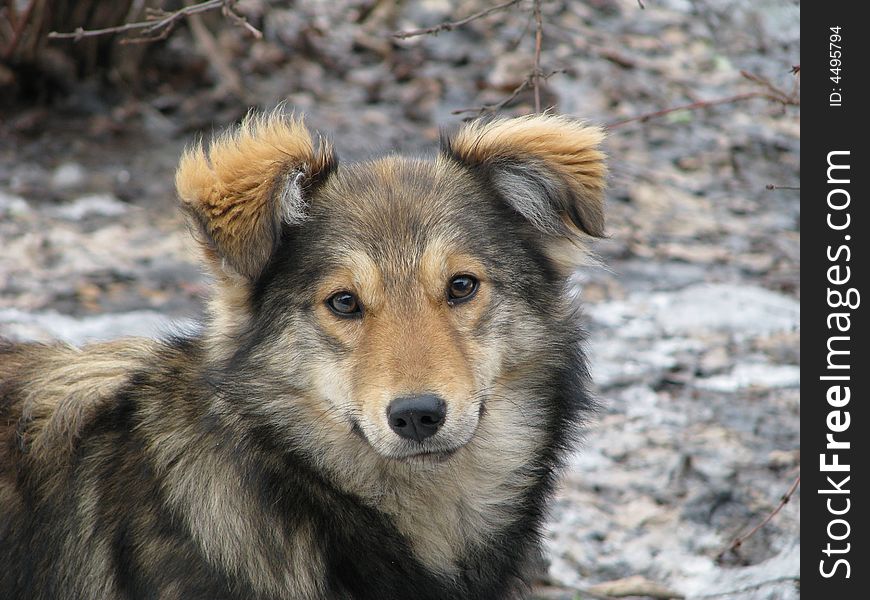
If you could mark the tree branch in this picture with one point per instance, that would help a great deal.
(450, 25)
(740, 539)
(536, 73)
(501, 104)
(161, 23)
(771, 92)
(691, 106)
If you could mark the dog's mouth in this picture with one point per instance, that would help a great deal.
(420, 456)
(357, 430)
(430, 456)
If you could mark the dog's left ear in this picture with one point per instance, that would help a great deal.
(548, 168)
(250, 181)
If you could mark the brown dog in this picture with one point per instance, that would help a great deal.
(377, 406)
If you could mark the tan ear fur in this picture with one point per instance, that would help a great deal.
(247, 182)
(540, 154)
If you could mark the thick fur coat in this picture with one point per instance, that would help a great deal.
(376, 407)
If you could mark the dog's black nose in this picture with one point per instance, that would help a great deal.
(416, 417)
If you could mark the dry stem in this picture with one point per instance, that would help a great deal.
(536, 73)
(770, 92)
(160, 24)
(502, 103)
(739, 540)
(450, 25)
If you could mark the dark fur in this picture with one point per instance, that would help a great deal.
(101, 476)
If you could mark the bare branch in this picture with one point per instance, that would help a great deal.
(450, 25)
(536, 72)
(772, 93)
(160, 23)
(773, 186)
(501, 104)
(494, 107)
(228, 11)
(641, 4)
(152, 25)
(691, 106)
(739, 540)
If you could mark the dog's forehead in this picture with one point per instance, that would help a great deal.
(398, 206)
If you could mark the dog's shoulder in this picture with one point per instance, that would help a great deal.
(50, 393)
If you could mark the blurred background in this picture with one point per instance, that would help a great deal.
(693, 319)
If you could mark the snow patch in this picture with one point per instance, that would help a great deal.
(50, 325)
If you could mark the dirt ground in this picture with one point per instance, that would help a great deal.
(693, 318)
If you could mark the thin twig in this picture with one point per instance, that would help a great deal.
(772, 93)
(160, 26)
(691, 106)
(786, 98)
(150, 26)
(536, 73)
(501, 104)
(229, 12)
(739, 540)
(773, 186)
(450, 25)
(498, 105)
(514, 43)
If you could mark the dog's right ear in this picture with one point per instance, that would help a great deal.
(245, 186)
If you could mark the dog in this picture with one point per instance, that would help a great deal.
(377, 405)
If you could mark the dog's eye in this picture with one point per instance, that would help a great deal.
(344, 304)
(461, 288)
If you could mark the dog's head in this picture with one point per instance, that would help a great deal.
(397, 299)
